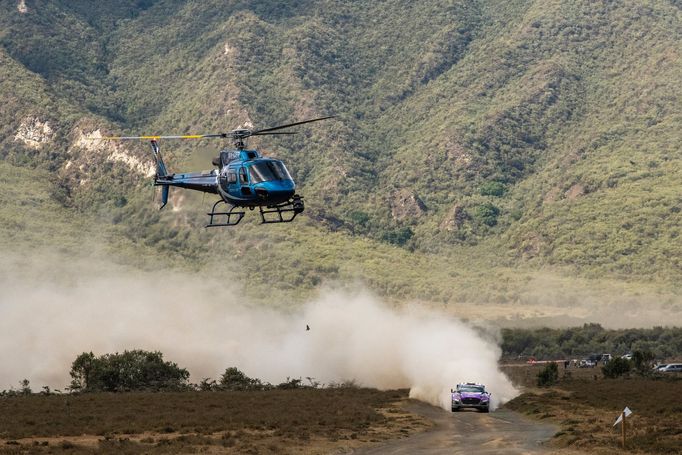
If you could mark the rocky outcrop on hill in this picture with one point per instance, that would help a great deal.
(406, 204)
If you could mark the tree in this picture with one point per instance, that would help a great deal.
(131, 370)
(487, 213)
(643, 361)
(25, 387)
(81, 370)
(492, 189)
(549, 375)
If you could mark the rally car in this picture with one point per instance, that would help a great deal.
(470, 395)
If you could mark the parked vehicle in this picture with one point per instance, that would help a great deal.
(671, 368)
(594, 358)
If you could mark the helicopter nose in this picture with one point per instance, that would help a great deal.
(278, 191)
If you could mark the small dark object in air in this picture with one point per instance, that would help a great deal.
(307, 327)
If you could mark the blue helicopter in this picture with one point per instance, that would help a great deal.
(243, 178)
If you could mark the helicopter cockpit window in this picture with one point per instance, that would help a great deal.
(268, 170)
(231, 177)
(224, 158)
(242, 175)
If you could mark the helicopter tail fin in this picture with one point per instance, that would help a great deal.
(165, 189)
(161, 172)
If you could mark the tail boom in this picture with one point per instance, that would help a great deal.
(161, 173)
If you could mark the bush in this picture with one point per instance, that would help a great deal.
(643, 361)
(399, 236)
(235, 379)
(25, 387)
(359, 217)
(549, 375)
(616, 368)
(290, 383)
(131, 370)
(487, 214)
(493, 189)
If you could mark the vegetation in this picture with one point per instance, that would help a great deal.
(585, 410)
(649, 344)
(643, 361)
(616, 368)
(538, 135)
(129, 371)
(240, 413)
(143, 422)
(549, 375)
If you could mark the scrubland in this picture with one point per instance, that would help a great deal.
(274, 421)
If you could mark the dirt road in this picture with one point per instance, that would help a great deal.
(469, 432)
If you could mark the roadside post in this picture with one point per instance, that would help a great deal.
(621, 419)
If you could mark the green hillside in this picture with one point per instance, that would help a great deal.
(478, 146)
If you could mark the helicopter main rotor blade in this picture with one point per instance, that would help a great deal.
(234, 134)
(131, 138)
(290, 125)
(278, 132)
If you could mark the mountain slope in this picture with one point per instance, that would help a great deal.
(486, 135)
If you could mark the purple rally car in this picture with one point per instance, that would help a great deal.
(470, 395)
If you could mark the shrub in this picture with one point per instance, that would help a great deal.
(399, 236)
(235, 379)
(549, 375)
(359, 217)
(207, 385)
(493, 189)
(643, 361)
(616, 368)
(487, 213)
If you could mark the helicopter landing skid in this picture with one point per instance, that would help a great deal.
(231, 218)
(286, 211)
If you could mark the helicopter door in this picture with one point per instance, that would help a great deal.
(244, 181)
(231, 181)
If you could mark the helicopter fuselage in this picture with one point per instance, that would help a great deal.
(243, 178)
(250, 180)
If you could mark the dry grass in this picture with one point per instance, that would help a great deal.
(525, 375)
(276, 421)
(586, 409)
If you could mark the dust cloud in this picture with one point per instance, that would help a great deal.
(54, 310)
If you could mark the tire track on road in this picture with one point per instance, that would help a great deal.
(469, 432)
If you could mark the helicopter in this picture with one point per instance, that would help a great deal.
(242, 178)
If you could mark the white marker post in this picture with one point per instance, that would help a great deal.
(621, 419)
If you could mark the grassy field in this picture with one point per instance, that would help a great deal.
(586, 405)
(276, 421)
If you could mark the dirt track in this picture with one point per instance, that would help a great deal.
(468, 432)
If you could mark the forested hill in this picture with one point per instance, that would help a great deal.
(512, 133)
